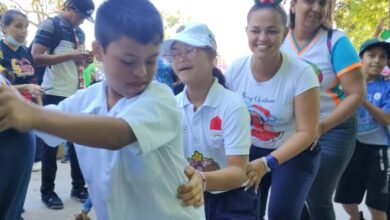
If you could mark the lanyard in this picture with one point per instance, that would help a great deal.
(80, 65)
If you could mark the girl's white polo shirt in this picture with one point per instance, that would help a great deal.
(217, 129)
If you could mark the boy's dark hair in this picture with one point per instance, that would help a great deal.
(9, 15)
(274, 6)
(135, 19)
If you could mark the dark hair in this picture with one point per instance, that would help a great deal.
(9, 15)
(291, 19)
(135, 19)
(273, 6)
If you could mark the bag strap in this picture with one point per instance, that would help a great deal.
(329, 41)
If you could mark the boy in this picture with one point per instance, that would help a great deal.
(128, 138)
(368, 169)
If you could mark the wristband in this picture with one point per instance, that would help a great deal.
(267, 169)
(272, 162)
(201, 174)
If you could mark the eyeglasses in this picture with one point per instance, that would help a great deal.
(189, 53)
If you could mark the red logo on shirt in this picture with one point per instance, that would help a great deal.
(216, 123)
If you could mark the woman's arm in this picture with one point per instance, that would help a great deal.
(307, 111)
(354, 88)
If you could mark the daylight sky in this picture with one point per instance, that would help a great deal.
(226, 18)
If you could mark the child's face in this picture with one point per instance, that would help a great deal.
(373, 61)
(193, 65)
(129, 66)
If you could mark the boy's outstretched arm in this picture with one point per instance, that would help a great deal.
(94, 131)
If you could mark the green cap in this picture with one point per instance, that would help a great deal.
(375, 43)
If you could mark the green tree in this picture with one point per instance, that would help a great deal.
(172, 21)
(358, 18)
(37, 10)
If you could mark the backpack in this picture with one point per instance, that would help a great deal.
(40, 70)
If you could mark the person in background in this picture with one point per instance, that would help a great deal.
(368, 170)
(342, 90)
(59, 45)
(16, 159)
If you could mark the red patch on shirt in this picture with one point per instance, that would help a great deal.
(216, 123)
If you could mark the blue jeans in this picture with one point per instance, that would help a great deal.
(290, 183)
(17, 151)
(235, 204)
(337, 146)
(87, 206)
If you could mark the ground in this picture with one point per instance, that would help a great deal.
(36, 210)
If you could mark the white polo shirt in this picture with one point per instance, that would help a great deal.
(217, 129)
(271, 103)
(139, 181)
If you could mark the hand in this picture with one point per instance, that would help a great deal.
(15, 111)
(191, 193)
(379, 27)
(34, 89)
(79, 56)
(320, 131)
(255, 170)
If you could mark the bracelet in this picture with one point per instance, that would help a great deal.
(267, 169)
(201, 174)
(272, 162)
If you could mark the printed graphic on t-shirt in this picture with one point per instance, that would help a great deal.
(216, 132)
(367, 123)
(22, 67)
(261, 125)
(202, 163)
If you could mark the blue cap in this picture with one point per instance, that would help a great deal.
(368, 44)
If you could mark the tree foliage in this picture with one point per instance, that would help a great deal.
(37, 10)
(358, 18)
(172, 21)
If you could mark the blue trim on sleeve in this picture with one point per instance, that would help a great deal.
(344, 54)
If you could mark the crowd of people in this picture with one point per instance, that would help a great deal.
(301, 120)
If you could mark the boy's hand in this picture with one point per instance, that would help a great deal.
(15, 112)
(256, 169)
(192, 192)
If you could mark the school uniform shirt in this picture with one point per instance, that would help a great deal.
(217, 129)
(62, 77)
(369, 130)
(140, 180)
(19, 62)
(330, 59)
(271, 103)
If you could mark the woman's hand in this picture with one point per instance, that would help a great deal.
(191, 193)
(256, 169)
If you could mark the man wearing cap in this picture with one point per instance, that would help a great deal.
(59, 45)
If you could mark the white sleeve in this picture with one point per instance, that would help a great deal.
(153, 118)
(236, 127)
(307, 79)
(68, 105)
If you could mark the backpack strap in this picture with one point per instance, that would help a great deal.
(329, 41)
